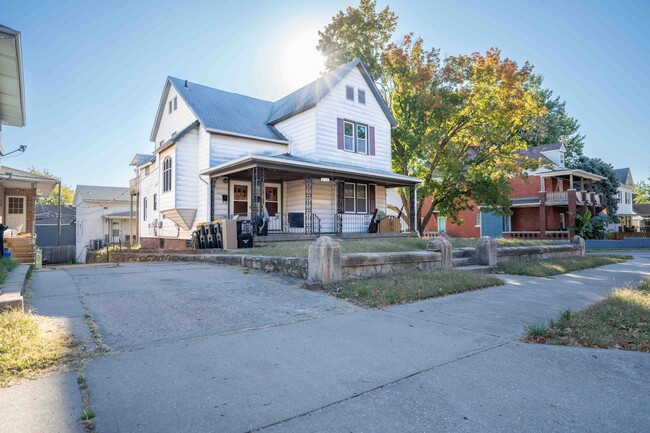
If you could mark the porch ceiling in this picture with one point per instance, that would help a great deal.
(286, 168)
(566, 174)
(12, 95)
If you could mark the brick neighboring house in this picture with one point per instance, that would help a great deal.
(543, 205)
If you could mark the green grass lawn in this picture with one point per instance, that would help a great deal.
(6, 265)
(550, 267)
(409, 287)
(373, 245)
(620, 321)
(29, 344)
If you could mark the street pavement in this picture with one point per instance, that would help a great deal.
(210, 348)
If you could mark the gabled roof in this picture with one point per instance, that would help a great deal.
(242, 116)
(223, 112)
(48, 214)
(308, 96)
(14, 178)
(100, 193)
(537, 152)
(12, 88)
(141, 159)
(641, 209)
(624, 176)
(176, 137)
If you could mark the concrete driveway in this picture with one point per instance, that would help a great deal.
(206, 348)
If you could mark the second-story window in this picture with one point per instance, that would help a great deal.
(348, 136)
(146, 171)
(362, 138)
(349, 93)
(175, 102)
(167, 174)
(170, 107)
(155, 202)
(361, 96)
(144, 208)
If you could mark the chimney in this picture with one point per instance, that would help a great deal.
(186, 84)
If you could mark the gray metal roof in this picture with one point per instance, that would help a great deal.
(537, 152)
(308, 96)
(231, 113)
(141, 159)
(125, 214)
(100, 193)
(47, 214)
(622, 174)
(524, 201)
(227, 112)
(12, 90)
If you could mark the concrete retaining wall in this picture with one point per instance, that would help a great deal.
(631, 243)
(372, 264)
(526, 254)
(293, 266)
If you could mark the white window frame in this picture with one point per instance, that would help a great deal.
(234, 184)
(144, 208)
(175, 102)
(477, 219)
(352, 137)
(356, 141)
(155, 202)
(355, 209)
(361, 96)
(167, 174)
(170, 106)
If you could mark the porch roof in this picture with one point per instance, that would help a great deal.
(119, 215)
(14, 178)
(289, 167)
(569, 171)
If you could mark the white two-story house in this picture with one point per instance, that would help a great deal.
(625, 213)
(316, 161)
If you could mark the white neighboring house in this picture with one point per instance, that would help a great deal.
(625, 211)
(317, 160)
(103, 214)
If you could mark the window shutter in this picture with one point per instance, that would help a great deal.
(339, 133)
(372, 202)
(371, 137)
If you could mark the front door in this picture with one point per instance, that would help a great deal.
(442, 224)
(273, 205)
(241, 199)
(16, 213)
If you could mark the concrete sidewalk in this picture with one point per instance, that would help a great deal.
(316, 364)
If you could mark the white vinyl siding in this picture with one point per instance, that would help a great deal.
(167, 199)
(335, 106)
(175, 121)
(203, 162)
(224, 148)
(186, 166)
(300, 130)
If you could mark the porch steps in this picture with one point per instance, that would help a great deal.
(21, 248)
(463, 261)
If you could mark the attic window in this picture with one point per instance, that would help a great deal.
(562, 159)
(349, 93)
(361, 96)
(170, 107)
(146, 171)
(175, 102)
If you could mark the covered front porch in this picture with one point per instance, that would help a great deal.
(551, 214)
(289, 197)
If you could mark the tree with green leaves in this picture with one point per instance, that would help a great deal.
(67, 193)
(458, 125)
(609, 186)
(590, 226)
(555, 125)
(361, 32)
(642, 192)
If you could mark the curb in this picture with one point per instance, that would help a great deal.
(11, 292)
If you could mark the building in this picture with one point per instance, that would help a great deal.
(542, 206)
(47, 225)
(316, 161)
(103, 217)
(641, 219)
(625, 211)
(18, 189)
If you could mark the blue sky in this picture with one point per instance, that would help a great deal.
(94, 70)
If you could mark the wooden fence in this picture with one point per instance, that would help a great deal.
(62, 254)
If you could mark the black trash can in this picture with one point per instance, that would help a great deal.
(211, 236)
(244, 234)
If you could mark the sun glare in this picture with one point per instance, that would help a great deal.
(299, 61)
